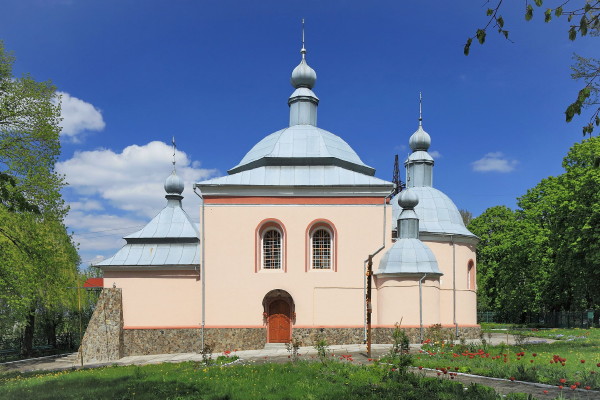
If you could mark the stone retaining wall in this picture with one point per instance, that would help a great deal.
(103, 339)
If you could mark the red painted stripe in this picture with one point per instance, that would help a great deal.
(292, 200)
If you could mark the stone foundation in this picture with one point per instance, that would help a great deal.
(103, 339)
(163, 341)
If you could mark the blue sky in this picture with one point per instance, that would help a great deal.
(215, 74)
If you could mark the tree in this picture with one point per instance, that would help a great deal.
(466, 216)
(510, 264)
(29, 137)
(583, 17)
(39, 260)
(545, 255)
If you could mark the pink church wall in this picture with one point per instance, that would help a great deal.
(466, 299)
(399, 298)
(322, 298)
(235, 291)
(158, 299)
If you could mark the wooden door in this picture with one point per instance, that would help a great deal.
(279, 322)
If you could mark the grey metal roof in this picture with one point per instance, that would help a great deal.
(155, 254)
(408, 256)
(302, 145)
(295, 175)
(437, 213)
(170, 240)
(171, 222)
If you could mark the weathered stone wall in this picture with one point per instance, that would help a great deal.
(163, 341)
(103, 339)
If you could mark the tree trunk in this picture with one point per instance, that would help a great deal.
(27, 344)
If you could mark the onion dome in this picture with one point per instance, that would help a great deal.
(303, 75)
(420, 140)
(174, 184)
(408, 199)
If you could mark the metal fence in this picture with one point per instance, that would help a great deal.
(551, 319)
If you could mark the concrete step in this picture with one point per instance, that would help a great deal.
(274, 346)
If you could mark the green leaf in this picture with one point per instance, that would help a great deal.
(480, 35)
(558, 12)
(548, 15)
(467, 46)
(528, 13)
(572, 33)
(538, 3)
(570, 17)
(597, 120)
(505, 33)
(490, 12)
(500, 21)
(583, 26)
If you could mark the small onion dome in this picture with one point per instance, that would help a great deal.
(174, 184)
(420, 140)
(408, 199)
(303, 75)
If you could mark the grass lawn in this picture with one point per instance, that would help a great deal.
(301, 380)
(575, 360)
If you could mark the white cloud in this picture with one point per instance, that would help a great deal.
(435, 154)
(86, 204)
(494, 162)
(133, 179)
(78, 116)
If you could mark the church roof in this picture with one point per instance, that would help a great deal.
(299, 176)
(302, 156)
(169, 241)
(437, 213)
(408, 256)
(302, 145)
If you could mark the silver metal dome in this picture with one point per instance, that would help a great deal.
(408, 199)
(408, 256)
(302, 145)
(174, 184)
(420, 140)
(303, 75)
(437, 213)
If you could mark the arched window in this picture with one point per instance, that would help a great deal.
(271, 249)
(321, 249)
(471, 275)
(321, 246)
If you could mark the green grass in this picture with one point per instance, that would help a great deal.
(504, 362)
(302, 380)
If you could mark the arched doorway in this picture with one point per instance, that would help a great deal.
(279, 315)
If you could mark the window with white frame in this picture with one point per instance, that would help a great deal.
(321, 249)
(271, 249)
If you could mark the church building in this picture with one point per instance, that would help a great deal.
(282, 249)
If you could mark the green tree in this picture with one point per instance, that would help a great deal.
(545, 255)
(583, 17)
(511, 269)
(39, 260)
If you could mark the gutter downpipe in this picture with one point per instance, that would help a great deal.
(202, 271)
(368, 273)
(454, 286)
(421, 308)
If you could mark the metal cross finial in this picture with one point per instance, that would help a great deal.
(303, 51)
(420, 110)
(174, 147)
